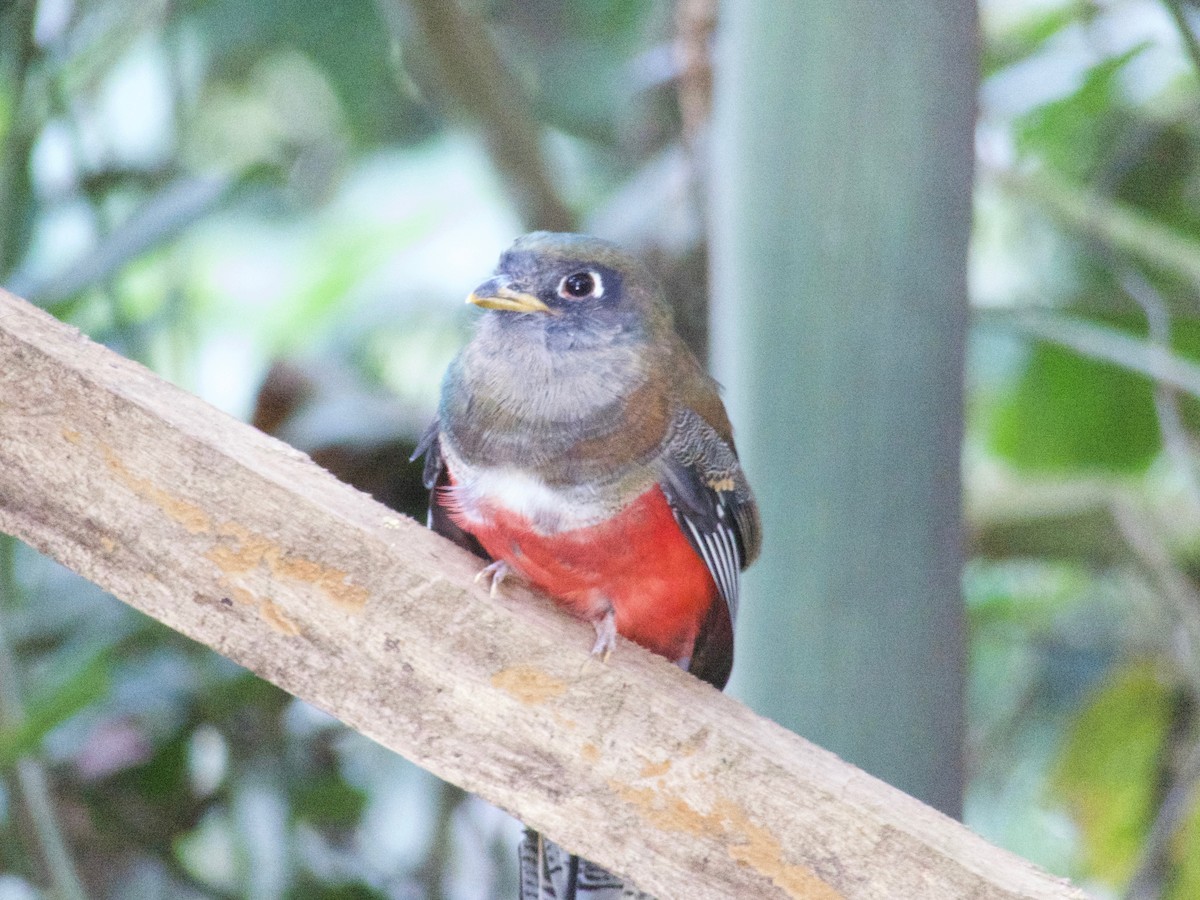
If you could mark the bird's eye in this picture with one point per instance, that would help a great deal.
(580, 285)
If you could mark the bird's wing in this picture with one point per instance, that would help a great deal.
(711, 499)
(437, 479)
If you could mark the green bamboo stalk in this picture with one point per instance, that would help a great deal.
(842, 166)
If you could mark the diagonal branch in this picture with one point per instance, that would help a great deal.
(1102, 342)
(241, 542)
(1115, 225)
(1186, 34)
(475, 76)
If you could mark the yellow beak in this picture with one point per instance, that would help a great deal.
(496, 294)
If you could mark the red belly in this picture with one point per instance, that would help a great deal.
(638, 562)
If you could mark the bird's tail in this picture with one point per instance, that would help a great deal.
(548, 872)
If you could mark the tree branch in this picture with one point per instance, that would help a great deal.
(1190, 44)
(1101, 342)
(1115, 225)
(241, 542)
(475, 76)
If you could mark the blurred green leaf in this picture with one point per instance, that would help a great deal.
(1026, 37)
(1075, 134)
(1031, 595)
(329, 801)
(1185, 854)
(1068, 412)
(345, 259)
(346, 40)
(616, 21)
(1108, 771)
(310, 889)
(164, 776)
(51, 707)
(1084, 399)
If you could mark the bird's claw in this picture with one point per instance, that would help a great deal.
(606, 636)
(497, 572)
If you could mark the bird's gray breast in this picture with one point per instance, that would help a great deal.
(588, 422)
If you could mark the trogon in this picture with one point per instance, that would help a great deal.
(580, 445)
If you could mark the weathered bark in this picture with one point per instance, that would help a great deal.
(242, 543)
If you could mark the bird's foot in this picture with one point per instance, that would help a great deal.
(606, 636)
(497, 572)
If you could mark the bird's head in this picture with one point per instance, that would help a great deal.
(576, 291)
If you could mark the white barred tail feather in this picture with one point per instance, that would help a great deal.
(548, 872)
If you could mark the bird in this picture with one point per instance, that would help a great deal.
(580, 445)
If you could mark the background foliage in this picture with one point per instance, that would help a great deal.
(276, 205)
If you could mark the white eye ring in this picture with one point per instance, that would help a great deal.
(581, 285)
